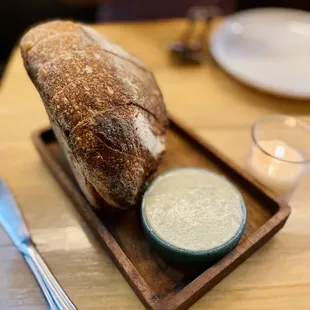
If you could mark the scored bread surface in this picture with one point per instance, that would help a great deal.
(104, 105)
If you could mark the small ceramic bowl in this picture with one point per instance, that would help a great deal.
(177, 255)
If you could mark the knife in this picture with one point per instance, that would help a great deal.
(13, 223)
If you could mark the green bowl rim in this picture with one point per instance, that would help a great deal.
(177, 250)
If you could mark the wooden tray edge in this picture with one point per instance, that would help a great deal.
(203, 283)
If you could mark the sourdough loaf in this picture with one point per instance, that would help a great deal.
(105, 108)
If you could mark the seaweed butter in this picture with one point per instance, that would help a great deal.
(193, 215)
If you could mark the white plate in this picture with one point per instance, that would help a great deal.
(268, 49)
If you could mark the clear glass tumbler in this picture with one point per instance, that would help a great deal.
(280, 153)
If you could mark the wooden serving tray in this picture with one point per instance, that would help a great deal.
(158, 284)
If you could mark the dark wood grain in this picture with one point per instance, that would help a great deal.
(158, 284)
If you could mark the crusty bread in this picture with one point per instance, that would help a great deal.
(104, 106)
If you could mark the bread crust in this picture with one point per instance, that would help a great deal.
(104, 105)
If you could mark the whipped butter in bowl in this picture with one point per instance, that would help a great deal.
(193, 215)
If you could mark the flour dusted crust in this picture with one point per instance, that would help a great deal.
(104, 105)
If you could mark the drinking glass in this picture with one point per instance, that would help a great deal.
(279, 153)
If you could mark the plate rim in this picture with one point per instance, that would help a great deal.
(243, 80)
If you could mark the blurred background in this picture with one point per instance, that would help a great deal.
(18, 15)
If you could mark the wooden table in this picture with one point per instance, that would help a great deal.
(221, 111)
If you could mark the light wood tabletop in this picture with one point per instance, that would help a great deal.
(220, 110)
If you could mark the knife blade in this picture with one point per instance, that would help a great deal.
(12, 221)
(11, 218)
